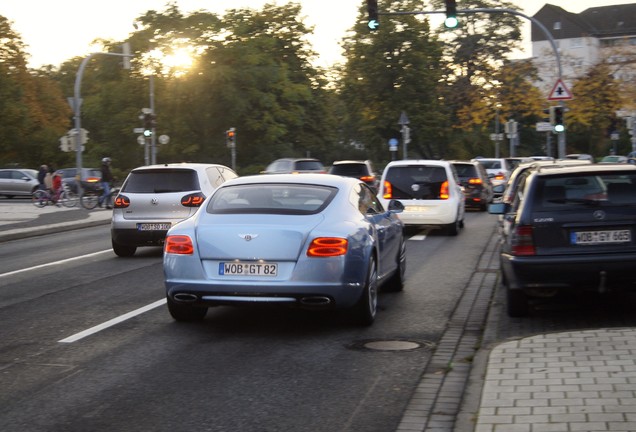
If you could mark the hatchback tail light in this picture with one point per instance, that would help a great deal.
(388, 190)
(443, 190)
(327, 247)
(522, 242)
(193, 200)
(121, 201)
(179, 245)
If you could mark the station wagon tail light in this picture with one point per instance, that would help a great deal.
(388, 190)
(178, 245)
(522, 243)
(193, 200)
(443, 190)
(474, 181)
(121, 201)
(327, 247)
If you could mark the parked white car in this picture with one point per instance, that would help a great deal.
(429, 190)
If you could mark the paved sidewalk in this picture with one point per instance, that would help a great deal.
(21, 220)
(573, 381)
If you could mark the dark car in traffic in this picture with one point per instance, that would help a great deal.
(89, 175)
(478, 192)
(570, 230)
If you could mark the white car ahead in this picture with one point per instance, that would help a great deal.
(429, 190)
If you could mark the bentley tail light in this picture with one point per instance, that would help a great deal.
(522, 242)
(388, 190)
(443, 190)
(179, 245)
(327, 247)
(121, 201)
(193, 200)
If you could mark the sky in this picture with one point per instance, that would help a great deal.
(55, 31)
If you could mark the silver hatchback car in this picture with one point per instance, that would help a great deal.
(154, 198)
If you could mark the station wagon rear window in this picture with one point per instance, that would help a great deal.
(599, 189)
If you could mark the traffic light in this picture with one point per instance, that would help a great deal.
(556, 118)
(230, 137)
(372, 9)
(451, 14)
(149, 124)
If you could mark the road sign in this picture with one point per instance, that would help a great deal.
(544, 127)
(138, 130)
(560, 91)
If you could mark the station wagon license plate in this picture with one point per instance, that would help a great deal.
(153, 226)
(600, 237)
(238, 268)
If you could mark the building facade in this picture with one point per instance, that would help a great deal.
(599, 34)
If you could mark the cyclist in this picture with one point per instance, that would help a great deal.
(107, 177)
(56, 188)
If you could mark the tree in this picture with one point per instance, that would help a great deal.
(390, 71)
(598, 97)
(32, 109)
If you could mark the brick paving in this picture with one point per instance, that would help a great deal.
(570, 381)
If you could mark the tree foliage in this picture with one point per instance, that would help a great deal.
(388, 72)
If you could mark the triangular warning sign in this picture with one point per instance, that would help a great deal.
(560, 91)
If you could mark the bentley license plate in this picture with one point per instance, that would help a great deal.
(238, 268)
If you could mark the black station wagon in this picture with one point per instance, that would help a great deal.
(569, 229)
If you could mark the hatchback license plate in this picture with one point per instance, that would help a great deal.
(600, 237)
(153, 227)
(237, 268)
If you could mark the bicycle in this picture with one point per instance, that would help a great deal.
(92, 193)
(42, 198)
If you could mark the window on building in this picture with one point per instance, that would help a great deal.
(557, 25)
(576, 43)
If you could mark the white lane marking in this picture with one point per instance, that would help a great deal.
(418, 237)
(112, 322)
(37, 267)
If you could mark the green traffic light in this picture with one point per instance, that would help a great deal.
(373, 24)
(147, 133)
(451, 22)
(559, 128)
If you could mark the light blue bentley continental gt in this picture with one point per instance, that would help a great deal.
(308, 241)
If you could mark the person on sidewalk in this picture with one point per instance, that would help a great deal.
(107, 177)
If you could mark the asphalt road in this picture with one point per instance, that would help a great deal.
(66, 366)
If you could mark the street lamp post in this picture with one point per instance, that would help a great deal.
(77, 112)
